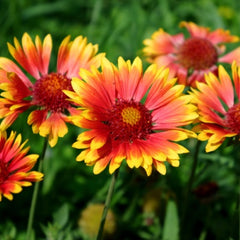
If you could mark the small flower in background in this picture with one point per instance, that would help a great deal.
(45, 93)
(219, 107)
(90, 219)
(190, 58)
(15, 165)
(206, 192)
(130, 115)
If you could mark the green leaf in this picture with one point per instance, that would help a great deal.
(171, 222)
(61, 216)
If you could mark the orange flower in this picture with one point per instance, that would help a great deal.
(130, 115)
(190, 58)
(45, 93)
(15, 165)
(219, 107)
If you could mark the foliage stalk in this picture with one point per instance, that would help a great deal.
(190, 182)
(35, 193)
(107, 204)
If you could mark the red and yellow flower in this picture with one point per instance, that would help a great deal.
(130, 115)
(48, 118)
(15, 165)
(218, 102)
(190, 58)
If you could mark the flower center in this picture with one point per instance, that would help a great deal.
(197, 53)
(3, 171)
(233, 118)
(129, 120)
(47, 92)
(130, 115)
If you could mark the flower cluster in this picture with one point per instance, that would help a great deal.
(128, 114)
(44, 94)
(218, 102)
(189, 58)
(15, 165)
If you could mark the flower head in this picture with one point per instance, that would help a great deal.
(45, 92)
(15, 165)
(218, 102)
(90, 220)
(190, 58)
(130, 115)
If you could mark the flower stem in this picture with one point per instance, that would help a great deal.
(238, 206)
(107, 204)
(190, 181)
(194, 167)
(35, 193)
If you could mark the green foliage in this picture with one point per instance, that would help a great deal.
(171, 223)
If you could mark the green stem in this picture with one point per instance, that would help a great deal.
(194, 167)
(239, 212)
(190, 181)
(35, 193)
(107, 204)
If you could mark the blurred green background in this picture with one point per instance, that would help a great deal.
(119, 28)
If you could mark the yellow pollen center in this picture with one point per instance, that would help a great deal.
(131, 115)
